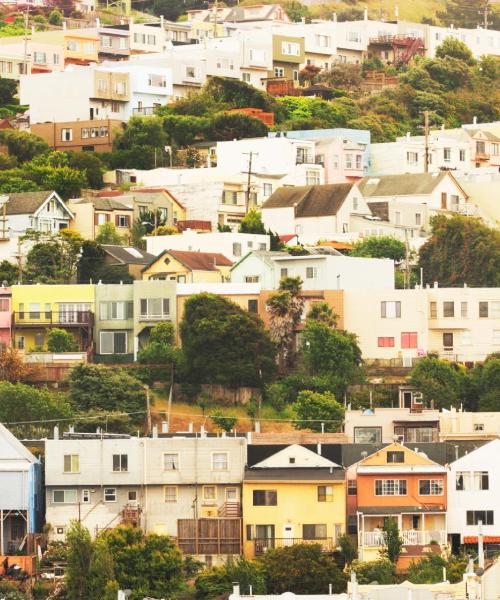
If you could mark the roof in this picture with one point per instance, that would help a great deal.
(380, 210)
(407, 184)
(195, 261)
(12, 449)
(109, 204)
(258, 450)
(155, 193)
(389, 510)
(487, 134)
(26, 203)
(298, 474)
(310, 200)
(127, 255)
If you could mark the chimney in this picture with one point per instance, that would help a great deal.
(164, 426)
(456, 451)
(155, 431)
(396, 12)
(365, 16)
(190, 427)
(72, 429)
(97, 22)
(474, 120)
(162, 21)
(408, 135)
(334, 17)
(256, 426)
(319, 448)
(202, 431)
(64, 25)
(436, 285)
(56, 432)
(236, 589)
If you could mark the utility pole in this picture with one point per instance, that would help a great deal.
(485, 14)
(426, 136)
(148, 408)
(25, 57)
(249, 178)
(407, 261)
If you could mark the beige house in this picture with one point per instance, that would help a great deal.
(90, 213)
(459, 425)
(79, 136)
(189, 267)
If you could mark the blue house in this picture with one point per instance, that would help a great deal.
(20, 495)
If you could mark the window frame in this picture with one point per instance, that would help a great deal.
(212, 461)
(108, 493)
(267, 494)
(64, 492)
(325, 496)
(176, 462)
(71, 469)
(121, 467)
(384, 484)
(432, 483)
(170, 487)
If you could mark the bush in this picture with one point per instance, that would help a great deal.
(380, 571)
(60, 340)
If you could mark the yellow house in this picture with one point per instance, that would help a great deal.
(189, 267)
(293, 496)
(38, 308)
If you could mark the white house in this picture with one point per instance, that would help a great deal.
(232, 245)
(43, 212)
(473, 496)
(323, 269)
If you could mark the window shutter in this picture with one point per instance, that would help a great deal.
(127, 221)
(166, 306)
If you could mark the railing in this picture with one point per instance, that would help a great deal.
(46, 318)
(409, 537)
(482, 156)
(162, 317)
(230, 509)
(145, 111)
(305, 160)
(400, 38)
(261, 545)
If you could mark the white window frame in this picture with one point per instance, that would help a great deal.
(436, 487)
(113, 333)
(386, 488)
(74, 501)
(170, 487)
(86, 499)
(176, 461)
(73, 458)
(207, 498)
(212, 461)
(109, 492)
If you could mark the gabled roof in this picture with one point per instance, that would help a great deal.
(127, 255)
(265, 256)
(490, 451)
(195, 261)
(150, 194)
(413, 462)
(379, 209)
(295, 456)
(12, 449)
(110, 204)
(310, 200)
(487, 134)
(27, 203)
(407, 184)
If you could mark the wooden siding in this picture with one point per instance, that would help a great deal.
(209, 536)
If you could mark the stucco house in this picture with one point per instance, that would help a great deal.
(188, 267)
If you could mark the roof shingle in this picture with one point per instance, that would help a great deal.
(311, 200)
(26, 203)
(407, 184)
(200, 261)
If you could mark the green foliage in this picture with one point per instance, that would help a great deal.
(234, 93)
(92, 387)
(216, 333)
(314, 409)
(24, 146)
(252, 223)
(237, 125)
(343, 75)
(296, 11)
(91, 165)
(380, 571)
(379, 247)
(223, 421)
(54, 258)
(440, 381)
(101, 572)
(489, 385)
(8, 272)
(9, 591)
(108, 234)
(455, 48)
(55, 17)
(459, 14)
(60, 340)
(461, 250)
(393, 541)
(321, 312)
(301, 569)
(20, 400)
(159, 350)
(79, 556)
(315, 111)
(217, 581)
(141, 131)
(8, 90)
(430, 569)
(347, 548)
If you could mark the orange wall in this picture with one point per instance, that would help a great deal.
(366, 491)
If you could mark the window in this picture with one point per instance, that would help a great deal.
(106, 41)
(478, 426)
(85, 132)
(462, 481)
(495, 310)
(66, 134)
(253, 306)
(322, 40)
(85, 496)
(113, 342)
(463, 310)
(386, 342)
(412, 158)
(325, 493)
(120, 463)
(313, 532)
(409, 339)
(20, 342)
(418, 219)
(64, 496)
(171, 462)
(139, 38)
(123, 221)
(352, 487)
(353, 36)
(430, 487)
(39, 57)
(481, 480)
(267, 189)
(245, 77)
(231, 494)
(265, 498)
(420, 434)
(494, 149)
(157, 80)
(461, 155)
(283, 273)
(155, 308)
(220, 461)
(390, 487)
(480, 148)
(170, 493)
(483, 310)
(367, 435)
(359, 164)
(348, 161)
(395, 456)
(448, 341)
(236, 249)
(71, 463)
(485, 516)
(390, 310)
(448, 309)
(109, 494)
(279, 72)
(290, 48)
(72, 46)
(132, 496)
(447, 154)
(55, 59)
(311, 272)
(313, 178)
(120, 88)
(433, 310)
(209, 492)
(444, 200)
(4, 305)
(116, 310)
(252, 279)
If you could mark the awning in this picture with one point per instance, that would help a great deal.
(487, 539)
(418, 423)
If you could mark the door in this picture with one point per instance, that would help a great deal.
(91, 114)
(287, 535)
(407, 399)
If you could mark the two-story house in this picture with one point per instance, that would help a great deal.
(188, 267)
(473, 492)
(92, 212)
(154, 301)
(406, 485)
(114, 323)
(293, 495)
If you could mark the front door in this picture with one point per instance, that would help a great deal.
(407, 398)
(287, 535)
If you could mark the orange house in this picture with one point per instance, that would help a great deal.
(398, 482)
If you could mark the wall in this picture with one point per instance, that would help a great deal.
(112, 293)
(51, 133)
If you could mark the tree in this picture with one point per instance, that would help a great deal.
(24, 146)
(296, 11)
(12, 366)
(159, 350)
(108, 234)
(8, 90)
(393, 541)
(384, 246)
(8, 272)
(226, 92)
(236, 126)
(380, 571)
(79, 556)
(440, 381)
(342, 75)
(91, 165)
(490, 385)
(301, 569)
(430, 569)
(55, 17)
(218, 581)
(60, 340)
(92, 387)
(309, 74)
(347, 548)
(216, 333)
(224, 422)
(101, 572)
(455, 48)
(315, 410)
(461, 250)
(321, 312)
(252, 223)
(54, 258)
(459, 14)
(141, 131)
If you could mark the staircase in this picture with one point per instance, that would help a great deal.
(230, 509)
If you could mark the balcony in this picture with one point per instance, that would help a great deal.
(480, 156)
(305, 159)
(155, 317)
(79, 318)
(230, 509)
(409, 537)
(261, 545)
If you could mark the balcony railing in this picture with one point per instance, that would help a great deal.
(76, 318)
(482, 156)
(305, 160)
(230, 509)
(262, 545)
(409, 537)
(155, 317)
(146, 111)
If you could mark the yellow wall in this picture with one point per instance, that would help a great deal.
(297, 504)
(174, 269)
(411, 458)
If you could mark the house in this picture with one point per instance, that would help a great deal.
(473, 491)
(79, 136)
(293, 495)
(186, 487)
(38, 308)
(456, 425)
(322, 268)
(42, 212)
(20, 500)
(114, 323)
(154, 301)
(92, 212)
(5, 316)
(188, 267)
(406, 485)
(313, 212)
(231, 244)
(157, 204)
(127, 260)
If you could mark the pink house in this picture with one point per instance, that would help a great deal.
(5, 317)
